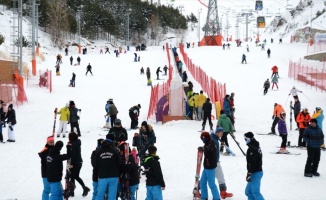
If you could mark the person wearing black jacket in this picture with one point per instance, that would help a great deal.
(95, 170)
(55, 167)
(296, 110)
(43, 154)
(133, 114)
(11, 121)
(155, 181)
(207, 108)
(117, 133)
(76, 163)
(89, 69)
(254, 158)
(2, 113)
(158, 73)
(107, 158)
(71, 60)
(74, 117)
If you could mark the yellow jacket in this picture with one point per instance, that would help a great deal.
(191, 101)
(201, 100)
(64, 114)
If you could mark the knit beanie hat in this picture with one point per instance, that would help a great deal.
(205, 137)
(249, 135)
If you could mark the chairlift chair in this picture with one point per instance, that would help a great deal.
(261, 22)
(259, 5)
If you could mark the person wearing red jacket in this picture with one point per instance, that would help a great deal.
(303, 119)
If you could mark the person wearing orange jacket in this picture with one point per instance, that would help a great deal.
(303, 119)
(278, 109)
(275, 71)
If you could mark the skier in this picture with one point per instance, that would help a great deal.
(165, 68)
(201, 101)
(154, 176)
(71, 60)
(66, 51)
(43, 154)
(55, 167)
(218, 171)
(243, 59)
(113, 112)
(157, 73)
(148, 73)
(57, 69)
(72, 81)
(134, 114)
(59, 59)
(247, 48)
(319, 116)
(274, 81)
(225, 123)
(107, 50)
(282, 130)
(89, 69)
(294, 93)
(107, 115)
(184, 76)
(135, 58)
(107, 179)
(11, 121)
(207, 108)
(278, 109)
(266, 86)
(254, 167)
(314, 138)
(262, 46)
(74, 118)
(142, 70)
(268, 53)
(303, 119)
(117, 133)
(95, 169)
(78, 60)
(76, 163)
(210, 163)
(64, 118)
(296, 110)
(138, 58)
(272, 40)
(280, 41)
(275, 71)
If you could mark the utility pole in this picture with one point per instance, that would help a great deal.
(199, 11)
(237, 26)
(246, 13)
(36, 27)
(79, 34)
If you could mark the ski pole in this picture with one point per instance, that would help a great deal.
(237, 143)
(287, 100)
(305, 96)
(54, 122)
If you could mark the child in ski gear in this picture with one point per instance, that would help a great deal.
(11, 121)
(207, 108)
(43, 154)
(303, 119)
(266, 86)
(95, 170)
(134, 153)
(282, 130)
(74, 117)
(154, 176)
(64, 118)
(244, 59)
(76, 163)
(314, 137)
(55, 167)
(278, 109)
(319, 116)
(210, 163)
(296, 110)
(89, 69)
(275, 71)
(294, 93)
(107, 158)
(136, 141)
(274, 81)
(225, 123)
(134, 114)
(218, 171)
(254, 159)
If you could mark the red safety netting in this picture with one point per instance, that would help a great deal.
(314, 77)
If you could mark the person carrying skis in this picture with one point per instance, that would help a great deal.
(210, 163)
(165, 68)
(157, 73)
(274, 81)
(225, 122)
(43, 154)
(294, 92)
(244, 59)
(134, 114)
(282, 130)
(296, 110)
(266, 86)
(303, 119)
(107, 115)
(74, 117)
(64, 118)
(218, 170)
(95, 169)
(11, 121)
(107, 179)
(117, 133)
(278, 109)
(314, 137)
(268, 53)
(254, 159)
(154, 176)
(275, 71)
(89, 69)
(207, 108)
(55, 168)
(71, 60)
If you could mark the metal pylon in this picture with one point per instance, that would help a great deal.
(212, 26)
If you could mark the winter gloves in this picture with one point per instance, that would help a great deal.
(248, 177)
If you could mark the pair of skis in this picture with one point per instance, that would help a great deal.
(196, 192)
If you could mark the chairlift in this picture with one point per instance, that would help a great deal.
(259, 5)
(288, 6)
(278, 14)
(268, 14)
(260, 22)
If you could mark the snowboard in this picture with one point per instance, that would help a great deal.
(195, 191)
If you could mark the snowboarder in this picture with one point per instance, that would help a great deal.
(266, 86)
(282, 130)
(314, 138)
(89, 69)
(294, 93)
(303, 119)
(165, 68)
(244, 59)
(210, 163)
(278, 109)
(142, 70)
(157, 73)
(10, 118)
(78, 60)
(254, 167)
(275, 71)
(274, 81)
(268, 53)
(72, 81)
(207, 108)
(134, 114)
(71, 60)
(64, 113)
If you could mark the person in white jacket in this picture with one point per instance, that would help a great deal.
(294, 93)
(64, 119)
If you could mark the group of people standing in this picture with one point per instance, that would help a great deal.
(8, 118)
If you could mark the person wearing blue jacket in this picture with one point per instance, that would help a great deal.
(282, 130)
(226, 105)
(218, 170)
(319, 116)
(314, 138)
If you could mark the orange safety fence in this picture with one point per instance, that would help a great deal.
(19, 81)
(313, 76)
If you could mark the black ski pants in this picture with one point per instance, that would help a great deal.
(134, 121)
(209, 117)
(75, 125)
(265, 90)
(75, 171)
(301, 142)
(89, 71)
(274, 124)
(113, 118)
(312, 160)
(224, 138)
(284, 140)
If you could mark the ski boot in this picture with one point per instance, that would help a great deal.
(203, 129)
(221, 149)
(211, 129)
(85, 192)
(225, 194)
